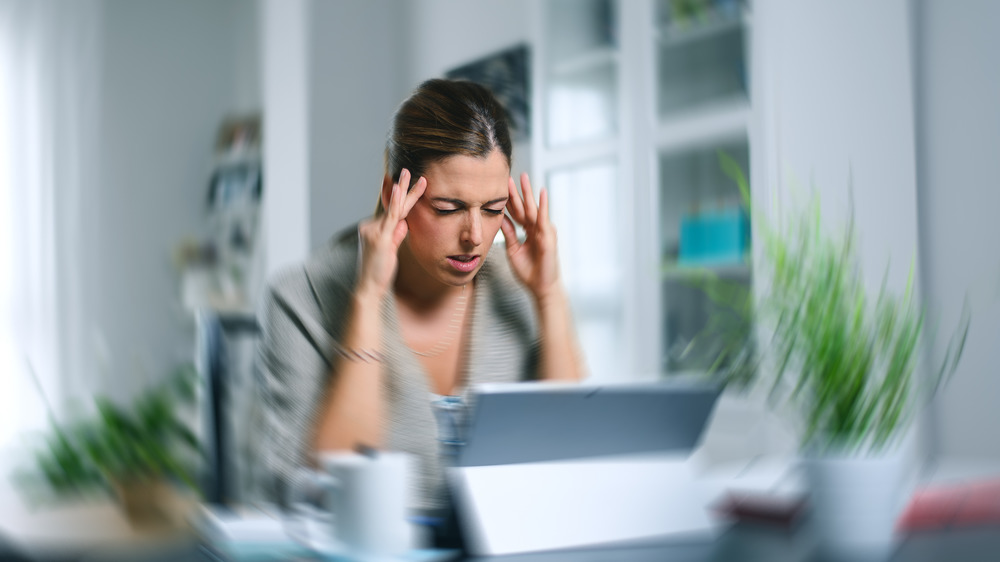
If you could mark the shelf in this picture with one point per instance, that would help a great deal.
(235, 158)
(705, 60)
(583, 62)
(672, 270)
(675, 35)
(589, 152)
(723, 119)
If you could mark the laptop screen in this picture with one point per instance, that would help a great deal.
(538, 422)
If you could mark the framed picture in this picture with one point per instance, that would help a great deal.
(507, 75)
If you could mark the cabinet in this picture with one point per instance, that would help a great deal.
(635, 101)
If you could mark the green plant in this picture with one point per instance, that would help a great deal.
(147, 440)
(846, 359)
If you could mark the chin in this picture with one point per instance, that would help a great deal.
(456, 280)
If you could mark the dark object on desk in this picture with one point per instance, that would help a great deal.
(780, 512)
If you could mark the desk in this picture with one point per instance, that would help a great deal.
(106, 535)
(741, 543)
(738, 544)
(761, 544)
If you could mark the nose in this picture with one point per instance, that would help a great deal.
(473, 232)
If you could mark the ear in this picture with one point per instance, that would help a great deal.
(386, 191)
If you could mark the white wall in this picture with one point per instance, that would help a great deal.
(833, 100)
(834, 96)
(356, 81)
(285, 27)
(958, 85)
(168, 81)
(246, 65)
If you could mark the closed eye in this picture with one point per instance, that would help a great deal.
(494, 212)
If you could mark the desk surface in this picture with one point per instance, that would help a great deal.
(739, 544)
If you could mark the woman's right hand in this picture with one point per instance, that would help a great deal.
(382, 235)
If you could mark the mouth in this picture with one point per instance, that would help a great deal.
(464, 263)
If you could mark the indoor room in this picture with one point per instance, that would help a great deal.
(769, 280)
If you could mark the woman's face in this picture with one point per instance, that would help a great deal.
(452, 227)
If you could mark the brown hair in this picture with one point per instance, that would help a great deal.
(444, 118)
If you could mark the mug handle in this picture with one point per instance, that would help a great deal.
(310, 492)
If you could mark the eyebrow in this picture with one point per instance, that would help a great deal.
(460, 203)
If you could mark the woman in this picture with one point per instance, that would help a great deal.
(412, 307)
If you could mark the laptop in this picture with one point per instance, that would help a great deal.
(549, 466)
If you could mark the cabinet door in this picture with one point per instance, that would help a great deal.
(702, 109)
(635, 99)
(700, 52)
(580, 92)
(584, 210)
(581, 71)
(704, 232)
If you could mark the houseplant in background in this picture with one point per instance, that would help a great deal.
(141, 453)
(844, 358)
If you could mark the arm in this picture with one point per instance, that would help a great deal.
(351, 413)
(290, 368)
(536, 264)
(559, 357)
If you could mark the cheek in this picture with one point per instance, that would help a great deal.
(416, 226)
(420, 222)
(492, 226)
(425, 229)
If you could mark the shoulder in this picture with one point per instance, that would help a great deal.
(321, 285)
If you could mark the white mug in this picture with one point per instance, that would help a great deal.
(366, 496)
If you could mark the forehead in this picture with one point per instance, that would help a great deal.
(468, 178)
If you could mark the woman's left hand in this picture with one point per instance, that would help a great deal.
(534, 261)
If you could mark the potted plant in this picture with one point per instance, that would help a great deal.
(139, 453)
(844, 357)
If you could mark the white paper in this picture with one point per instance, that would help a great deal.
(543, 506)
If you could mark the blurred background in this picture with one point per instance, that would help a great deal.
(161, 157)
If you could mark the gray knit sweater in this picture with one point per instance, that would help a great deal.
(304, 312)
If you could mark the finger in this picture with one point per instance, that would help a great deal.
(404, 186)
(414, 195)
(514, 203)
(390, 209)
(398, 196)
(399, 233)
(543, 208)
(510, 235)
(530, 209)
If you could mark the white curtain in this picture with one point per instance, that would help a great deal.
(49, 106)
